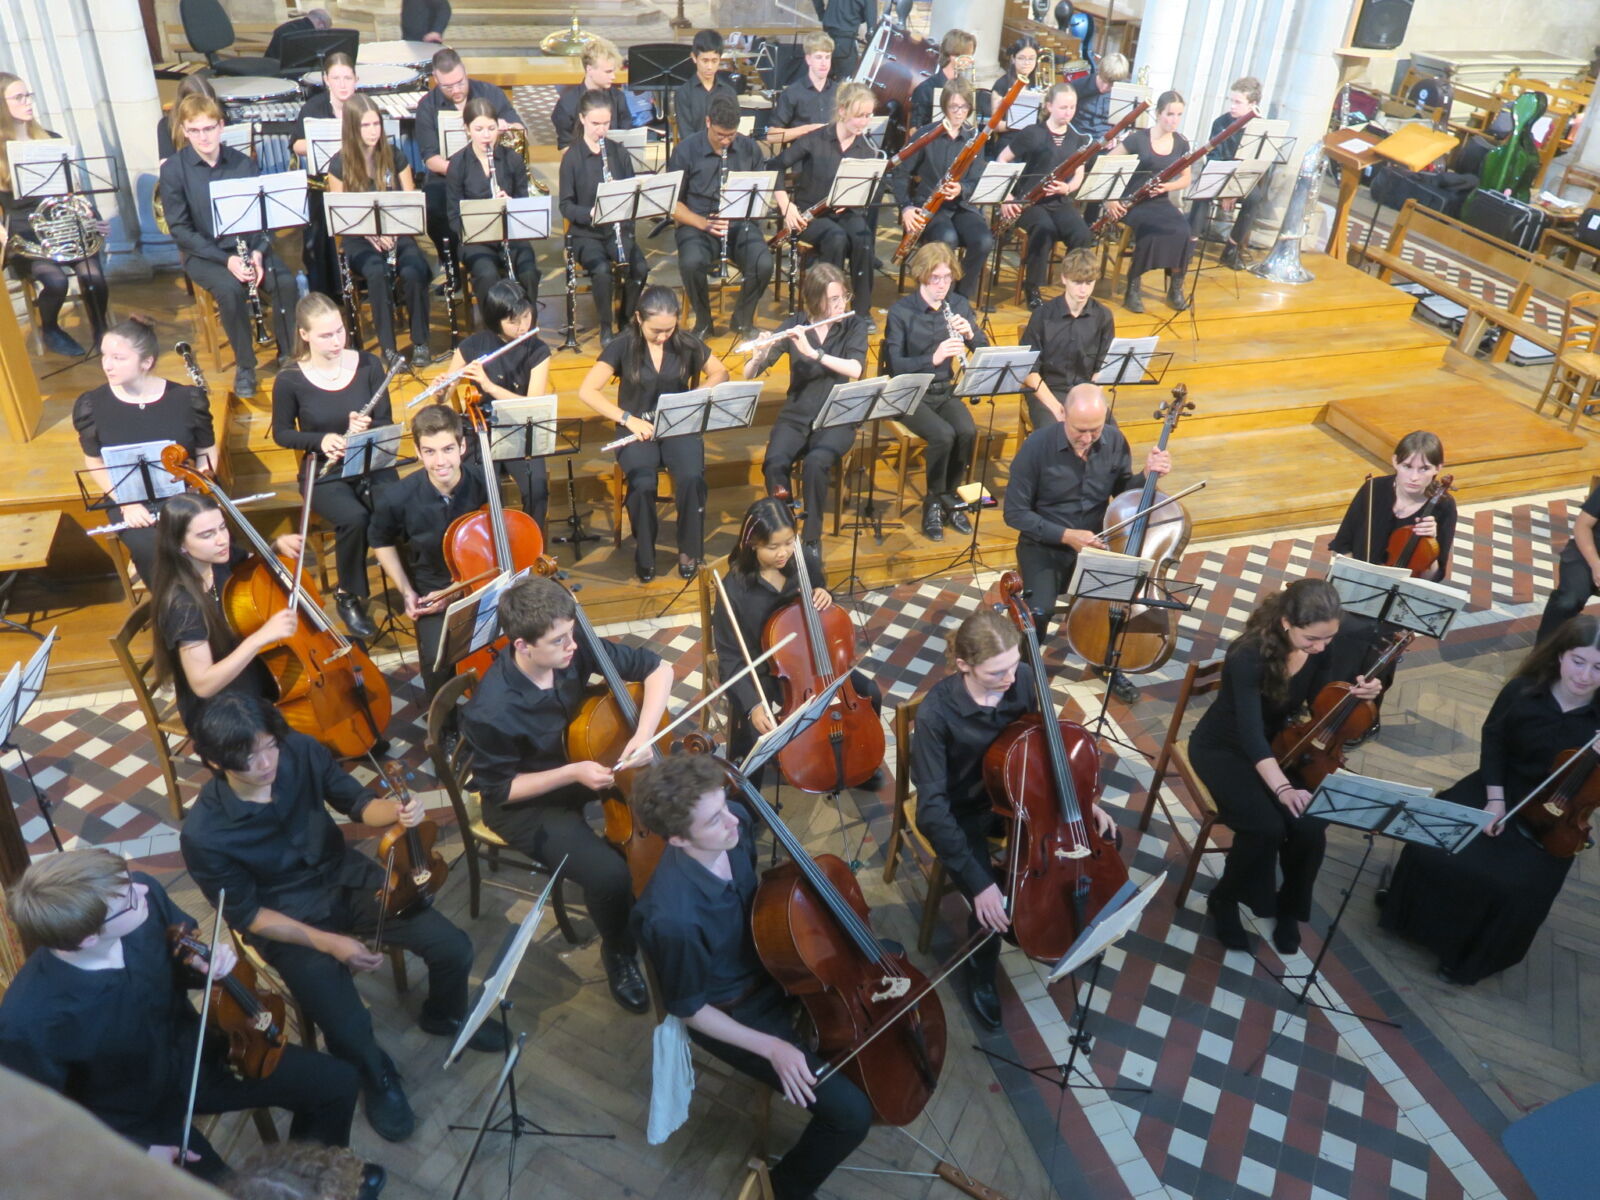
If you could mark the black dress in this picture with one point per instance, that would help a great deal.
(1234, 734)
(1161, 236)
(180, 623)
(1479, 910)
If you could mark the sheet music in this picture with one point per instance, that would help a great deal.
(507, 431)
(128, 481)
(37, 168)
(324, 139)
(452, 133)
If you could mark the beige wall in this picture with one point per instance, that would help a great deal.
(1558, 26)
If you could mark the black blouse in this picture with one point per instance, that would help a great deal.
(1151, 163)
(810, 381)
(1367, 536)
(639, 399)
(754, 601)
(467, 180)
(1523, 733)
(303, 413)
(1241, 718)
(180, 623)
(181, 414)
(511, 370)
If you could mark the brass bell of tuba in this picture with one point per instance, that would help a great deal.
(1282, 264)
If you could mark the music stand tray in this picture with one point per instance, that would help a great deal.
(376, 214)
(729, 405)
(473, 621)
(258, 203)
(132, 479)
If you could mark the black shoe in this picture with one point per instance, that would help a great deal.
(1176, 300)
(58, 341)
(420, 357)
(705, 329)
(957, 519)
(285, 361)
(645, 574)
(388, 1111)
(1233, 257)
(1123, 688)
(985, 1000)
(627, 984)
(933, 521)
(1034, 299)
(1230, 929)
(1286, 935)
(872, 323)
(742, 325)
(489, 1037)
(353, 612)
(391, 360)
(373, 1177)
(244, 383)
(1446, 975)
(1133, 301)
(688, 569)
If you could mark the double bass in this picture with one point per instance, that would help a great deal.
(328, 688)
(252, 1019)
(1314, 748)
(1042, 775)
(1405, 548)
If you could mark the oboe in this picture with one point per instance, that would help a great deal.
(257, 317)
(605, 177)
(496, 193)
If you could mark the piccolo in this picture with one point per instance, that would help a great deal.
(365, 411)
(762, 341)
(121, 525)
(450, 378)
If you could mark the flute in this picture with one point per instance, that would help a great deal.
(121, 525)
(763, 340)
(450, 378)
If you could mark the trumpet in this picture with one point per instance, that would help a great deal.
(119, 526)
(950, 318)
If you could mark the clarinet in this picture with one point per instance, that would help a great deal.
(365, 411)
(495, 191)
(722, 190)
(569, 339)
(257, 317)
(950, 317)
(605, 177)
(186, 352)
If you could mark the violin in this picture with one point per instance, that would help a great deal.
(1314, 748)
(1559, 810)
(414, 870)
(1147, 635)
(1043, 775)
(846, 745)
(328, 688)
(251, 1018)
(1405, 548)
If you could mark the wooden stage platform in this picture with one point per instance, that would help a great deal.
(1300, 392)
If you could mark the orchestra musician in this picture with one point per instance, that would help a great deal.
(304, 898)
(18, 123)
(326, 103)
(957, 223)
(1270, 673)
(1480, 908)
(809, 102)
(367, 162)
(214, 262)
(601, 62)
(929, 330)
(705, 158)
(311, 19)
(655, 355)
(484, 169)
(818, 360)
(1022, 62)
(762, 578)
(525, 371)
(842, 21)
(316, 404)
(169, 134)
(1072, 334)
(418, 511)
(1042, 147)
(603, 251)
(955, 62)
(1577, 570)
(101, 1013)
(424, 20)
(693, 921)
(957, 721)
(691, 100)
(1162, 239)
(451, 90)
(1094, 95)
(533, 797)
(1244, 96)
(134, 406)
(1056, 500)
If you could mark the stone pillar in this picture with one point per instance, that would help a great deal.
(1161, 43)
(1307, 83)
(981, 18)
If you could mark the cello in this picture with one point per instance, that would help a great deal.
(1510, 166)
(328, 688)
(1315, 748)
(846, 745)
(1405, 548)
(1042, 775)
(1143, 636)
(252, 1019)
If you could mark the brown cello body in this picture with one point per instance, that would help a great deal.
(251, 1019)
(597, 734)
(414, 870)
(1405, 548)
(1559, 814)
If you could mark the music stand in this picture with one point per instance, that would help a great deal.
(991, 371)
(996, 183)
(898, 399)
(729, 405)
(376, 448)
(638, 198)
(53, 167)
(660, 67)
(132, 480)
(304, 50)
(1132, 362)
(373, 214)
(1218, 179)
(523, 428)
(848, 404)
(506, 219)
(18, 691)
(472, 622)
(746, 196)
(1391, 595)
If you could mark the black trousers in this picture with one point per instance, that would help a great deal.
(485, 264)
(318, 1090)
(1045, 225)
(1245, 213)
(597, 257)
(1046, 574)
(967, 231)
(140, 544)
(698, 255)
(685, 460)
(945, 423)
(430, 628)
(846, 54)
(820, 451)
(414, 274)
(51, 280)
(985, 960)
(530, 475)
(318, 254)
(327, 989)
(841, 1115)
(348, 508)
(553, 827)
(1574, 586)
(278, 298)
(846, 234)
(435, 198)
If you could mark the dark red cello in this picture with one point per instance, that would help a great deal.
(1043, 774)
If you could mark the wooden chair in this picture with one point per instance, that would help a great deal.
(167, 732)
(1200, 679)
(904, 834)
(134, 588)
(1576, 370)
(30, 295)
(450, 765)
(301, 1022)
(212, 340)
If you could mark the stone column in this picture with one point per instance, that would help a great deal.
(1161, 43)
(981, 19)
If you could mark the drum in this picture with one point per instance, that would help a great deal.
(372, 77)
(894, 64)
(252, 89)
(754, 101)
(397, 54)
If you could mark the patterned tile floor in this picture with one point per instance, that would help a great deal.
(1251, 1096)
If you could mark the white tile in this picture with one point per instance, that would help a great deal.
(1404, 1094)
(1137, 1068)
(1351, 1099)
(1154, 1022)
(1215, 1046)
(1450, 1150)
(1167, 979)
(1430, 1125)
(1324, 1194)
(1104, 1118)
(1403, 1177)
(1121, 1147)
(1029, 986)
(1336, 1149)
(1275, 1070)
(1385, 1070)
(1186, 1147)
(1257, 1176)
(1229, 1003)
(1475, 1181)
(1138, 1178)
(1202, 1095)
(1268, 1123)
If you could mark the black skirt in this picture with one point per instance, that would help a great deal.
(1161, 236)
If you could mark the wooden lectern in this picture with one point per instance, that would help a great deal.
(1342, 149)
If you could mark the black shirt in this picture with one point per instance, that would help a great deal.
(181, 623)
(1041, 151)
(1242, 719)
(1570, 553)
(516, 727)
(913, 332)
(815, 160)
(182, 414)
(565, 114)
(702, 168)
(418, 18)
(512, 370)
(580, 178)
(952, 733)
(186, 196)
(1052, 490)
(319, 107)
(288, 855)
(467, 180)
(1228, 150)
(754, 601)
(436, 102)
(927, 167)
(640, 399)
(1152, 164)
(691, 102)
(696, 928)
(1071, 348)
(303, 412)
(922, 107)
(810, 381)
(843, 18)
(1523, 733)
(417, 513)
(1372, 509)
(801, 104)
(118, 1042)
(1094, 107)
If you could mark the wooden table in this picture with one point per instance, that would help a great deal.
(1341, 149)
(538, 71)
(25, 541)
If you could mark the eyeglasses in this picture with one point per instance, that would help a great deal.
(201, 130)
(133, 903)
(20, 97)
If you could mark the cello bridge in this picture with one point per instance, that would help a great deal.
(1072, 852)
(894, 987)
(421, 877)
(1555, 808)
(263, 1020)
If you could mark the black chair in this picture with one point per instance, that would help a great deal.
(208, 29)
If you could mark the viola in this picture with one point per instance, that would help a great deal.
(1558, 812)
(252, 1019)
(328, 688)
(1043, 775)
(1159, 529)
(414, 870)
(846, 745)
(1405, 548)
(1314, 748)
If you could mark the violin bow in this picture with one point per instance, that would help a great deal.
(399, 789)
(1592, 744)
(200, 1036)
(1369, 486)
(305, 532)
(738, 634)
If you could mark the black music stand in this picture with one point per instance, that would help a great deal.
(305, 49)
(18, 691)
(857, 184)
(1227, 179)
(660, 67)
(899, 399)
(132, 479)
(472, 622)
(520, 432)
(849, 403)
(374, 449)
(1131, 362)
(507, 219)
(61, 172)
(991, 372)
